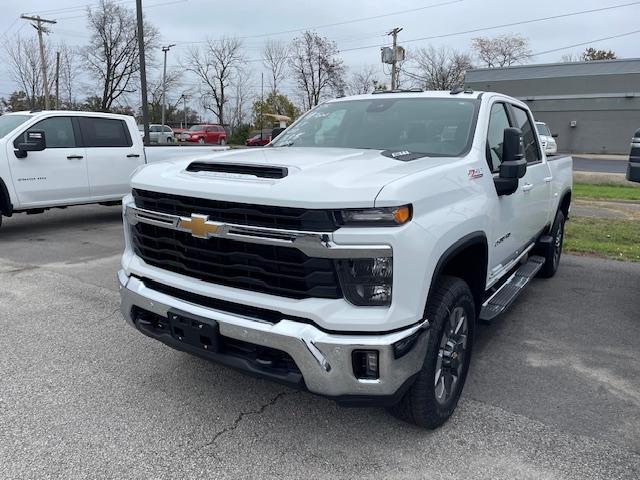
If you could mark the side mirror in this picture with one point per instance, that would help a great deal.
(276, 131)
(514, 165)
(554, 135)
(35, 142)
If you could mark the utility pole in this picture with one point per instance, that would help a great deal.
(394, 68)
(57, 80)
(164, 79)
(143, 73)
(41, 29)
(261, 103)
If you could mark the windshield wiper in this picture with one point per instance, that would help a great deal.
(286, 144)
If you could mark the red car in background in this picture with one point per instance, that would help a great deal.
(257, 141)
(213, 134)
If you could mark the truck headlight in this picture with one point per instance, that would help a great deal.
(366, 281)
(376, 217)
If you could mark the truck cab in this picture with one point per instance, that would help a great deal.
(354, 255)
(55, 159)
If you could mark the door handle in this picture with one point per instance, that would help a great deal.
(75, 157)
(527, 187)
(133, 155)
(548, 179)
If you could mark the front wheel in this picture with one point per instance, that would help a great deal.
(433, 397)
(201, 141)
(223, 141)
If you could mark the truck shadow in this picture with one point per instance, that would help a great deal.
(33, 227)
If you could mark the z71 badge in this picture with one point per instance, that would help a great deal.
(475, 173)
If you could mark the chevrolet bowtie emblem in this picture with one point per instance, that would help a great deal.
(198, 225)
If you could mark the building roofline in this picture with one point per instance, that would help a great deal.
(555, 64)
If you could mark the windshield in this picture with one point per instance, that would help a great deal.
(429, 126)
(543, 129)
(10, 122)
(196, 128)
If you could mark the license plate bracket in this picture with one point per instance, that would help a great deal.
(193, 330)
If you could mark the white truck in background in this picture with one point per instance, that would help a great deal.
(633, 169)
(54, 159)
(354, 255)
(547, 138)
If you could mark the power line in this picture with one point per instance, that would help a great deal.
(344, 22)
(145, 7)
(582, 44)
(503, 25)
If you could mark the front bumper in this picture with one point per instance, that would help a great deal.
(323, 359)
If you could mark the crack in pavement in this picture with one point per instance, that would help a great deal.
(236, 423)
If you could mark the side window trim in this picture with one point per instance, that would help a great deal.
(509, 115)
(532, 124)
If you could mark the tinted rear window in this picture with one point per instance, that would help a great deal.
(105, 132)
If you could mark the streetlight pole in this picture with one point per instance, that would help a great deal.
(164, 79)
(184, 109)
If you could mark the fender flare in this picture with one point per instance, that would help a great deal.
(6, 207)
(477, 238)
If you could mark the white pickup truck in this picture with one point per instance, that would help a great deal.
(354, 255)
(59, 158)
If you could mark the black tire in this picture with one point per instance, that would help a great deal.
(423, 405)
(553, 251)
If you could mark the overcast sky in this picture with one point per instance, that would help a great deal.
(184, 21)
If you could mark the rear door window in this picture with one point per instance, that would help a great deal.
(523, 122)
(105, 132)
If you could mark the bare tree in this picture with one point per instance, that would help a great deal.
(441, 69)
(23, 62)
(217, 66)
(275, 57)
(501, 51)
(570, 57)
(240, 100)
(112, 55)
(173, 97)
(362, 81)
(316, 67)
(68, 75)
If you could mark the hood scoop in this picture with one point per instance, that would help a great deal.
(233, 169)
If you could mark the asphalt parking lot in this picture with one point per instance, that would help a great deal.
(553, 392)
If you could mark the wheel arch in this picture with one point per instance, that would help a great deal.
(565, 203)
(466, 259)
(6, 207)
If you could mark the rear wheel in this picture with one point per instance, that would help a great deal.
(433, 397)
(553, 251)
(223, 141)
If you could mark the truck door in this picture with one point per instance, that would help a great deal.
(509, 231)
(112, 155)
(55, 175)
(536, 184)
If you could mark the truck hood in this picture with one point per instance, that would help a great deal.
(316, 177)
